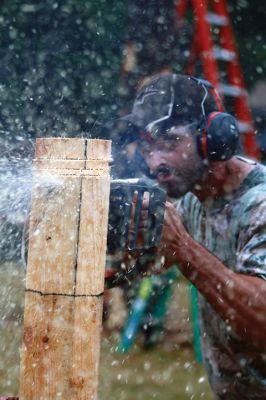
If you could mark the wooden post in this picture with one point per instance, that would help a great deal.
(65, 271)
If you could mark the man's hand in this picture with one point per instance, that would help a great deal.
(174, 236)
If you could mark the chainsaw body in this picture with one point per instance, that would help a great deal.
(126, 201)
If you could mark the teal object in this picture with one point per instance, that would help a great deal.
(158, 306)
(151, 299)
(195, 323)
(136, 313)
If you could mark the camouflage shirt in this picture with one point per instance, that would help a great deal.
(233, 228)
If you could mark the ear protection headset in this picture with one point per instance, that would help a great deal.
(218, 134)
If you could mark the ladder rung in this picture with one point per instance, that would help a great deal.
(216, 19)
(223, 54)
(245, 126)
(232, 90)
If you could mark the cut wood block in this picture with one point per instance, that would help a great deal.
(65, 272)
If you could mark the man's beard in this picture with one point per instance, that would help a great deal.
(185, 180)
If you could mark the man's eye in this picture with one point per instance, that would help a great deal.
(161, 146)
(145, 150)
(167, 145)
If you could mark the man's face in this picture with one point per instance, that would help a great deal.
(174, 160)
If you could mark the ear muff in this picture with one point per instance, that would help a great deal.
(218, 136)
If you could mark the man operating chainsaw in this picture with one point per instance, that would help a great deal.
(216, 231)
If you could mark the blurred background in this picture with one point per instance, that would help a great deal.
(70, 68)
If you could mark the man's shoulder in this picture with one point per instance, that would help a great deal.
(250, 206)
(252, 193)
(257, 175)
(254, 189)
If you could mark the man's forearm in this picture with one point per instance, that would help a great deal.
(239, 299)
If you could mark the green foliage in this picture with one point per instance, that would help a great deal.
(248, 20)
(60, 64)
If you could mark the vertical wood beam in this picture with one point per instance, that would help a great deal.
(65, 271)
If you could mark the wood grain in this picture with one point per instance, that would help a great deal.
(65, 273)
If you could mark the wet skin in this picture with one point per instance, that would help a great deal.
(174, 160)
(178, 168)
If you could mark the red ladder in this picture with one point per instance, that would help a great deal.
(206, 15)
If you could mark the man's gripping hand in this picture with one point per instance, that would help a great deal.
(174, 238)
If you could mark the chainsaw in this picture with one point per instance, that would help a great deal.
(126, 199)
(126, 205)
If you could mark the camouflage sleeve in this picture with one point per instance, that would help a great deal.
(185, 208)
(251, 247)
(179, 207)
